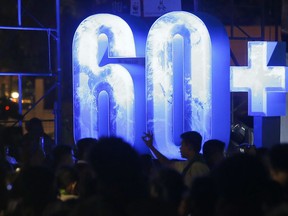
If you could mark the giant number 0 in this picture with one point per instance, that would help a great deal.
(205, 79)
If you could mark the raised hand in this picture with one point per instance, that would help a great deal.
(148, 139)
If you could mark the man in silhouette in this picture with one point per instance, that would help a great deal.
(190, 168)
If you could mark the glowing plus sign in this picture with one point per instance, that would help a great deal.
(266, 85)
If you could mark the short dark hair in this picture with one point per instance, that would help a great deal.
(59, 152)
(118, 168)
(34, 124)
(192, 138)
(278, 157)
(212, 146)
(83, 146)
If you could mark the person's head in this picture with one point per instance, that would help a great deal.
(213, 152)
(62, 156)
(279, 164)
(167, 185)
(190, 144)
(117, 168)
(34, 126)
(241, 183)
(83, 146)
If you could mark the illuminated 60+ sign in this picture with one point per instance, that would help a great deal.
(187, 77)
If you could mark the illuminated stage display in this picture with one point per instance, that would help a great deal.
(90, 79)
(186, 74)
(265, 83)
(204, 77)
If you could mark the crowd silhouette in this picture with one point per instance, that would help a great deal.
(107, 177)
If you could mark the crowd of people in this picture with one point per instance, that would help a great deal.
(107, 177)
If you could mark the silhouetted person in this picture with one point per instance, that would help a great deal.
(241, 186)
(279, 164)
(83, 147)
(36, 190)
(67, 182)
(148, 165)
(5, 169)
(167, 187)
(62, 155)
(213, 152)
(118, 172)
(35, 132)
(262, 154)
(190, 148)
(37, 145)
(202, 195)
(83, 168)
(60, 208)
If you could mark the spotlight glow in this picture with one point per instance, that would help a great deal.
(15, 95)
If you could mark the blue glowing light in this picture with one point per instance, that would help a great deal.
(205, 96)
(90, 42)
(266, 84)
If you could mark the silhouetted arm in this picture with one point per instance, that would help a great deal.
(148, 140)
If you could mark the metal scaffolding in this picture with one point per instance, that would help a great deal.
(261, 25)
(231, 14)
(53, 33)
(262, 19)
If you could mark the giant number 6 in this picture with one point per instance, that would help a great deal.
(90, 79)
